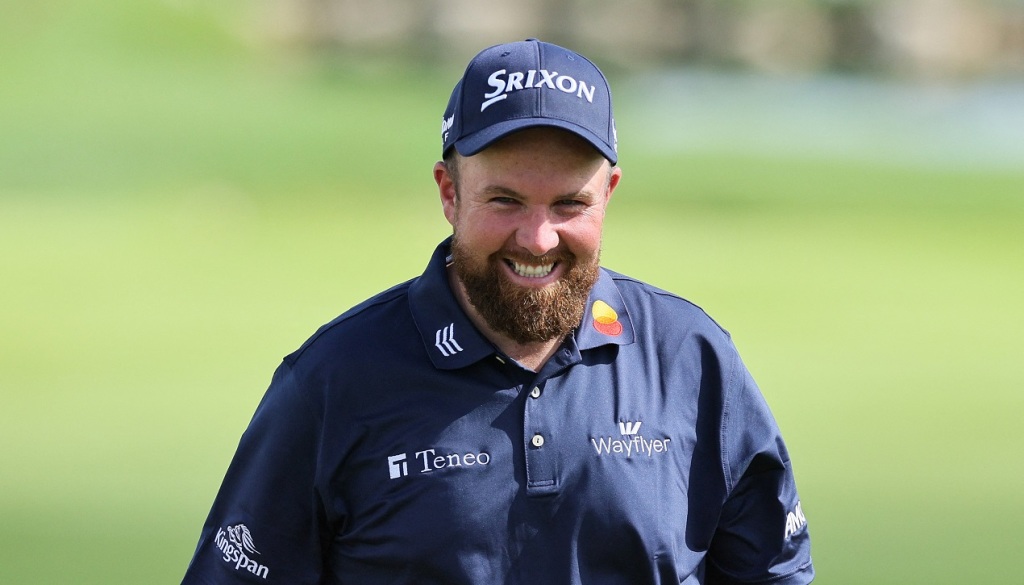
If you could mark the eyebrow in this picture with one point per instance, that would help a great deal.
(507, 192)
(500, 190)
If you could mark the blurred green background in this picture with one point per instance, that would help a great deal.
(188, 190)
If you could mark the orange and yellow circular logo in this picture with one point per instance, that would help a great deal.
(606, 320)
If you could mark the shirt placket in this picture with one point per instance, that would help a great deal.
(543, 410)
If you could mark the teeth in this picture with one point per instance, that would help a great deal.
(531, 271)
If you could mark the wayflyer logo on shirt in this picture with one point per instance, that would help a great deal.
(630, 442)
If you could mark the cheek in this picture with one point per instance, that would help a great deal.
(450, 214)
(481, 233)
(584, 238)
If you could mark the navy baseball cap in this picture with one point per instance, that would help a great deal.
(528, 83)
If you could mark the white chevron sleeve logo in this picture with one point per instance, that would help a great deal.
(445, 342)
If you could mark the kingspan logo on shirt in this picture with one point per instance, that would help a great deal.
(235, 544)
(630, 442)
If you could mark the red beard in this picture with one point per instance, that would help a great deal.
(526, 314)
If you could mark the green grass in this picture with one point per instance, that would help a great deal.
(888, 345)
(139, 337)
(175, 219)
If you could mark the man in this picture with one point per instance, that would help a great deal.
(516, 414)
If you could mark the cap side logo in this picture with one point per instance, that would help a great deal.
(606, 320)
(446, 125)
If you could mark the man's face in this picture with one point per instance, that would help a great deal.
(527, 219)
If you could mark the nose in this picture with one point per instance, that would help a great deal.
(537, 233)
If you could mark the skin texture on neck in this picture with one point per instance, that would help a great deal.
(528, 211)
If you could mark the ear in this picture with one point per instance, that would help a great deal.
(613, 182)
(446, 189)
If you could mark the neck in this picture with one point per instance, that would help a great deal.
(531, 355)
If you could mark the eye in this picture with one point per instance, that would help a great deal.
(570, 204)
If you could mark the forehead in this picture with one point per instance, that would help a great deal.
(546, 138)
(544, 151)
(535, 171)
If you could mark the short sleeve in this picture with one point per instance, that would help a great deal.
(762, 534)
(267, 523)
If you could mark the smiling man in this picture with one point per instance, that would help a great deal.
(516, 414)
(527, 215)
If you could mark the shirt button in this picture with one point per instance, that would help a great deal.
(535, 393)
(538, 440)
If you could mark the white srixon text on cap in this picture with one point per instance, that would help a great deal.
(505, 83)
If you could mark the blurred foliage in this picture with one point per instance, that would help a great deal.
(92, 100)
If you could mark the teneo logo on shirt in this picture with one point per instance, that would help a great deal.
(505, 83)
(629, 442)
(235, 544)
(429, 460)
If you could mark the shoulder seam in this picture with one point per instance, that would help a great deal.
(654, 290)
(394, 293)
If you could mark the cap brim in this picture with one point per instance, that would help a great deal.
(474, 143)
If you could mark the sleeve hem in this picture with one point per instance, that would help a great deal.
(801, 576)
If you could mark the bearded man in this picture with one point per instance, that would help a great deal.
(518, 413)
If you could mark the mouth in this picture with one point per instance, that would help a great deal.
(527, 270)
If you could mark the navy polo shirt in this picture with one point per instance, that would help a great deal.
(397, 445)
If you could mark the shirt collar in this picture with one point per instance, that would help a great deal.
(453, 342)
(449, 336)
(606, 320)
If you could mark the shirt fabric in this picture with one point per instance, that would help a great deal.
(397, 445)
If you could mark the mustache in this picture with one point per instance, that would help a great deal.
(527, 258)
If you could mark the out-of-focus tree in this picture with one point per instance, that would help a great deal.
(905, 37)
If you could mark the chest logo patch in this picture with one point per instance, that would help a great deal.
(629, 442)
(429, 460)
(606, 320)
